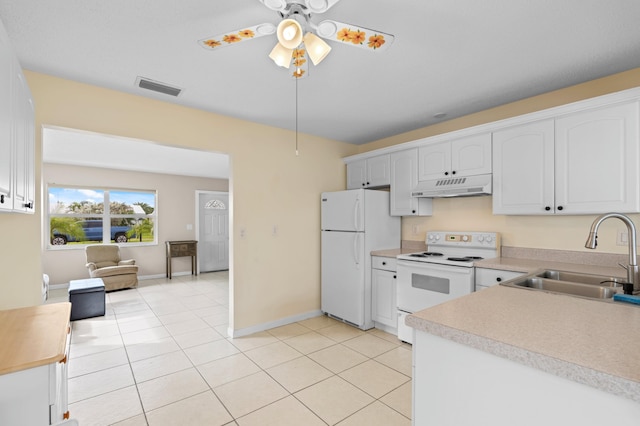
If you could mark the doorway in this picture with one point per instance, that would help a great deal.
(213, 230)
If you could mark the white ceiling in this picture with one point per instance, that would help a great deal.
(449, 56)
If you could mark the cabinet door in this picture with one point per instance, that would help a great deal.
(383, 285)
(356, 174)
(24, 145)
(471, 155)
(523, 169)
(596, 155)
(434, 161)
(404, 177)
(378, 171)
(6, 138)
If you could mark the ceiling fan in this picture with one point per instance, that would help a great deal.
(296, 38)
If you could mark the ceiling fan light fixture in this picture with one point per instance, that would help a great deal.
(317, 49)
(289, 33)
(281, 56)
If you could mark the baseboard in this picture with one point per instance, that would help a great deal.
(272, 324)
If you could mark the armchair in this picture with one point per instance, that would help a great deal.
(103, 261)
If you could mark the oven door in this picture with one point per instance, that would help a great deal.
(422, 285)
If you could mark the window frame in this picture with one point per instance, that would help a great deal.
(105, 216)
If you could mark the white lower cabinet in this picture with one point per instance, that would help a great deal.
(485, 278)
(383, 284)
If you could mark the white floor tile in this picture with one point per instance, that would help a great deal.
(171, 388)
(100, 382)
(107, 409)
(198, 410)
(161, 365)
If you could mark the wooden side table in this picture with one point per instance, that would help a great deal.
(181, 249)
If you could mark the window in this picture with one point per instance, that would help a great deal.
(79, 216)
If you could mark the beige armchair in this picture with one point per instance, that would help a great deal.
(103, 261)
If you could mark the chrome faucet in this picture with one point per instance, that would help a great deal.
(632, 267)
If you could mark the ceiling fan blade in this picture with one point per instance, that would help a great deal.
(354, 35)
(277, 5)
(237, 36)
(319, 6)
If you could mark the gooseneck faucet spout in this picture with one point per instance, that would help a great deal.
(632, 267)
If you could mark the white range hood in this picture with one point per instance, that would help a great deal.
(454, 187)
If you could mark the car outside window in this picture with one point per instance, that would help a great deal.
(80, 216)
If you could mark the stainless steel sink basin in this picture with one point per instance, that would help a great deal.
(575, 277)
(563, 287)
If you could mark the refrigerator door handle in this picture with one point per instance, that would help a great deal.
(356, 249)
(356, 215)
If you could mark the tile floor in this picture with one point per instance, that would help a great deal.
(160, 356)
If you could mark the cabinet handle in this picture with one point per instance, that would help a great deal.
(394, 277)
(453, 172)
(368, 183)
(446, 173)
(547, 208)
(29, 205)
(384, 263)
(2, 199)
(560, 207)
(413, 211)
(65, 416)
(363, 184)
(498, 279)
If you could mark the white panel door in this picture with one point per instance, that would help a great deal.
(471, 155)
(596, 156)
(343, 275)
(213, 240)
(434, 161)
(523, 181)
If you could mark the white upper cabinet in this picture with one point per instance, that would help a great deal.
(597, 161)
(6, 144)
(582, 163)
(404, 177)
(17, 135)
(523, 169)
(457, 158)
(369, 173)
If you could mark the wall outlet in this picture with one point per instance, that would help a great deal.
(622, 238)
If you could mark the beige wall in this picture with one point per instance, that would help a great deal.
(176, 208)
(552, 232)
(272, 277)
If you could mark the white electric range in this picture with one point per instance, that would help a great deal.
(442, 273)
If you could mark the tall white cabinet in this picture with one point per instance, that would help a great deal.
(17, 134)
(404, 178)
(581, 163)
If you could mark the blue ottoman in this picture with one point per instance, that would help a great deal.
(87, 298)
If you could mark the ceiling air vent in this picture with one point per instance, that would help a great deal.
(156, 86)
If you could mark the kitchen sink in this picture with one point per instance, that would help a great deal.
(584, 290)
(575, 277)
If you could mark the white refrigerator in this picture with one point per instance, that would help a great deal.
(353, 223)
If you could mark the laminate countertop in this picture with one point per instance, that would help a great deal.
(33, 336)
(587, 341)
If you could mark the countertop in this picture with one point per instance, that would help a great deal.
(531, 265)
(591, 342)
(33, 336)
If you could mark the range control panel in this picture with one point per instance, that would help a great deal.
(463, 239)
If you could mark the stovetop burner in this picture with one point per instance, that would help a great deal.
(426, 254)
